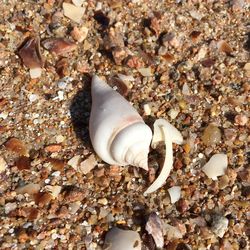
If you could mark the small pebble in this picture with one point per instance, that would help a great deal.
(219, 225)
(211, 135)
(74, 162)
(145, 71)
(87, 165)
(73, 12)
(3, 164)
(241, 119)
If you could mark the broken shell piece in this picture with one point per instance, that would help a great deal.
(31, 56)
(75, 13)
(175, 193)
(154, 227)
(223, 46)
(164, 131)
(216, 166)
(118, 239)
(59, 46)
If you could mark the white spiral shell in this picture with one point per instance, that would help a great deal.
(117, 132)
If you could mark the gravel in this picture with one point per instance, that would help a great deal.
(188, 63)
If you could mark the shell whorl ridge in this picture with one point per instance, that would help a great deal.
(118, 133)
(131, 145)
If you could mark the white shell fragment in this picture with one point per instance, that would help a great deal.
(174, 193)
(118, 133)
(154, 227)
(73, 12)
(118, 239)
(164, 131)
(216, 166)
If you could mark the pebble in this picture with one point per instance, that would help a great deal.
(241, 119)
(75, 13)
(171, 232)
(3, 164)
(173, 113)
(211, 135)
(125, 239)
(219, 225)
(17, 146)
(87, 165)
(74, 162)
(33, 97)
(103, 201)
(9, 207)
(175, 193)
(79, 34)
(54, 190)
(35, 73)
(74, 206)
(145, 72)
(31, 188)
(53, 148)
(147, 109)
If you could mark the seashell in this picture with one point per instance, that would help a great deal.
(155, 228)
(216, 166)
(164, 131)
(30, 54)
(118, 239)
(118, 133)
(59, 46)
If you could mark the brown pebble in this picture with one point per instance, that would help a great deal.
(53, 148)
(211, 135)
(57, 164)
(22, 236)
(74, 195)
(208, 63)
(23, 162)
(99, 172)
(119, 54)
(62, 67)
(151, 174)
(42, 199)
(182, 205)
(17, 146)
(122, 88)
(241, 119)
(59, 46)
(135, 62)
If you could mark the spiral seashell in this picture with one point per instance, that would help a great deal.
(118, 133)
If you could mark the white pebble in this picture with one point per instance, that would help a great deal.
(4, 115)
(3, 164)
(35, 73)
(33, 97)
(175, 193)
